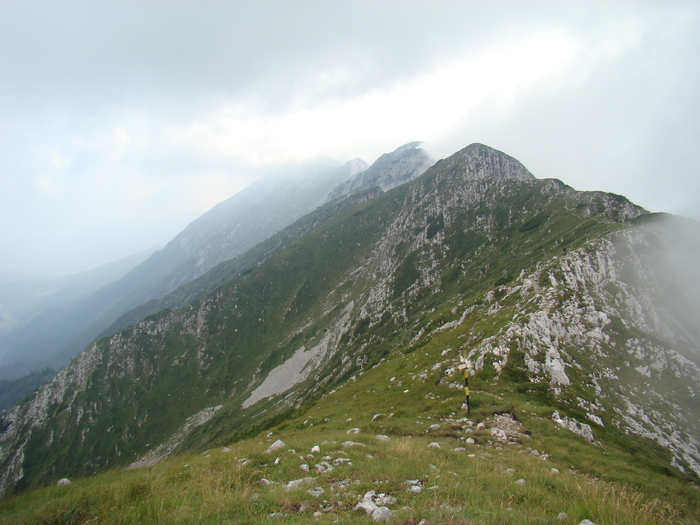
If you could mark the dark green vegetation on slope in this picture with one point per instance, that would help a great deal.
(13, 390)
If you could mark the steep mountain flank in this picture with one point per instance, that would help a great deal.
(227, 230)
(388, 171)
(534, 281)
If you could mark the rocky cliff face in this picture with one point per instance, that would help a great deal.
(595, 326)
(543, 287)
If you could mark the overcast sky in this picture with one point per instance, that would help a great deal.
(136, 111)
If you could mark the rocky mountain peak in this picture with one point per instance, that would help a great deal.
(406, 147)
(353, 167)
(478, 162)
(388, 171)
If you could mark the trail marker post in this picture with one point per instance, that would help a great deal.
(466, 366)
(466, 388)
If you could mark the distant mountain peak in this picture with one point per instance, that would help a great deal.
(353, 167)
(407, 147)
(388, 171)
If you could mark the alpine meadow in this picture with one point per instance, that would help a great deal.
(317, 371)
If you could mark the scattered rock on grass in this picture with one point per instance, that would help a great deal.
(367, 505)
(323, 467)
(64, 481)
(505, 428)
(499, 435)
(375, 505)
(382, 514)
(316, 492)
(276, 446)
(384, 500)
(296, 483)
(414, 486)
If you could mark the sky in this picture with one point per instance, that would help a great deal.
(124, 120)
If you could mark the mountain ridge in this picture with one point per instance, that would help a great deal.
(392, 272)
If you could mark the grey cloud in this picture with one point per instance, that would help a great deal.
(629, 123)
(93, 53)
(75, 70)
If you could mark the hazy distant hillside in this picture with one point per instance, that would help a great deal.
(12, 391)
(23, 298)
(230, 228)
(389, 170)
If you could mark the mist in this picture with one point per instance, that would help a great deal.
(672, 258)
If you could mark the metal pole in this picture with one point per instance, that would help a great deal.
(466, 387)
